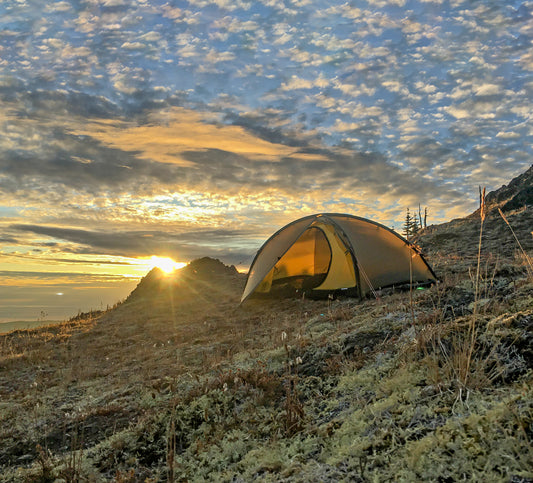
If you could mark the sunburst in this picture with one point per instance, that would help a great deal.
(165, 264)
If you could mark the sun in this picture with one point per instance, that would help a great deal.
(165, 264)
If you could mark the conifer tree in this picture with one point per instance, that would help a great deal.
(408, 224)
(415, 227)
(411, 225)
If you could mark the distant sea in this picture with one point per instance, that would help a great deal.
(24, 324)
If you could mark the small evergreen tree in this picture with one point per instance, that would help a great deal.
(411, 225)
(415, 227)
(408, 224)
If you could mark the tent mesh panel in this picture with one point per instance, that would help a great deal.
(306, 263)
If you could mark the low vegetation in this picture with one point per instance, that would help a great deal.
(180, 383)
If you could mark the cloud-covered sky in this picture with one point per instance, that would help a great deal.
(133, 128)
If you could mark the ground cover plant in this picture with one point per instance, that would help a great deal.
(180, 383)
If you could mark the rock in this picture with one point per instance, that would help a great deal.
(480, 303)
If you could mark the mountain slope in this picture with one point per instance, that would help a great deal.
(180, 383)
(205, 278)
(514, 196)
(459, 238)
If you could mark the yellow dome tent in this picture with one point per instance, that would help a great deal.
(330, 251)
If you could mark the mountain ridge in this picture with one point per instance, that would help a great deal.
(513, 196)
(200, 275)
(460, 236)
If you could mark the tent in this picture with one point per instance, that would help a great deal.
(327, 252)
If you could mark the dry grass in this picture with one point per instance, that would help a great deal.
(170, 388)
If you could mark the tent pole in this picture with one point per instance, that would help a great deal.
(357, 276)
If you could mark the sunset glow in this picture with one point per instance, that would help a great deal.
(165, 264)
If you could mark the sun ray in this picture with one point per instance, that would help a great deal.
(166, 264)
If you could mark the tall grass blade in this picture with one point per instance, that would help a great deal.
(471, 339)
(526, 256)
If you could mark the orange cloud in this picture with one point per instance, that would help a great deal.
(178, 130)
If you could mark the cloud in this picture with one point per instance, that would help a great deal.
(186, 245)
(195, 156)
(297, 83)
(424, 154)
(133, 45)
(58, 7)
(56, 277)
(488, 90)
(235, 25)
(177, 130)
(354, 91)
(58, 163)
(229, 5)
(132, 128)
(508, 135)
(7, 240)
(181, 150)
(384, 3)
(89, 250)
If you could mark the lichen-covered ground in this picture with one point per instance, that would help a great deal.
(180, 383)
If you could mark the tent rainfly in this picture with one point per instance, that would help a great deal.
(331, 251)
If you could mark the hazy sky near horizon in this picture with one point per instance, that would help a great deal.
(133, 128)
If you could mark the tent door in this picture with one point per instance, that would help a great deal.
(305, 265)
(341, 272)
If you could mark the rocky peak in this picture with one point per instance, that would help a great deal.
(199, 276)
(517, 194)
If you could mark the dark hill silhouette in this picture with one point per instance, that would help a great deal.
(205, 278)
(514, 196)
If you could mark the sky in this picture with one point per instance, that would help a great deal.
(138, 128)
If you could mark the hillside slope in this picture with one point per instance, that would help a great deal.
(514, 196)
(458, 239)
(180, 383)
